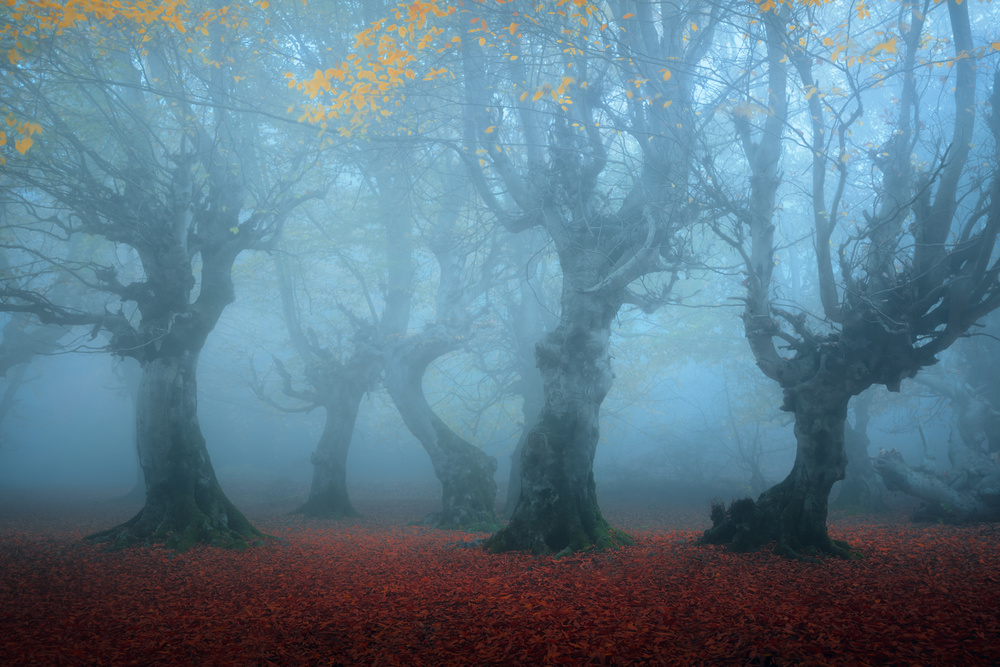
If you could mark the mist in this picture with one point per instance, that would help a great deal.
(500, 333)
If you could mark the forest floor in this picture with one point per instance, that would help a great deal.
(374, 591)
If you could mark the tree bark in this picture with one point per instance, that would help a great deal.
(944, 499)
(793, 513)
(468, 489)
(184, 503)
(970, 491)
(328, 497)
(557, 510)
(528, 324)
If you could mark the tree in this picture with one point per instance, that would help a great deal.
(465, 472)
(558, 182)
(970, 490)
(916, 272)
(337, 379)
(151, 146)
(582, 132)
(528, 318)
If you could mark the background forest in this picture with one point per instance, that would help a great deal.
(469, 243)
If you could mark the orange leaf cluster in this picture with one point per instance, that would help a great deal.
(363, 592)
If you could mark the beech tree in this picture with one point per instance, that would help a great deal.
(564, 161)
(464, 274)
(578, 122)
(917, 268)
(153, 143)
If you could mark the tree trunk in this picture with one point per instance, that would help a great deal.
(328, 497)
(557, 510)
(962, 497)
(793, 513)
(184, 503)
(533, 395)
(468, 489)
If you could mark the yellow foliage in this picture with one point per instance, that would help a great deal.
(887, 46)
(23, 144)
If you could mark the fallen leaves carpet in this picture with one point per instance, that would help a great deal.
(375, 592)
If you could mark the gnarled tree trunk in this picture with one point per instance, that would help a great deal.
(184, 503)
(468, 490)
(793, 512)
(557, 509)
(970, 491)
(943, 498)
(328, 497)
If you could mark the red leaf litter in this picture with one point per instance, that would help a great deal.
(375, 592)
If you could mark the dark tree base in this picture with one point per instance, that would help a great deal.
(606, 539)
(560, 528)
(749, 526)
(183, 526)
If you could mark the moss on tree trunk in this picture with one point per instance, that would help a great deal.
(557, 510)
(184, 503)
(468, 489)
(793, 513)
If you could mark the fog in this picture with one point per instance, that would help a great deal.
(669, 435)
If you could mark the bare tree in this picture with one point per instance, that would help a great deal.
(561, 161)
(151, 148)
(907, 288)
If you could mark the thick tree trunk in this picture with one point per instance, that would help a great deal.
(533, 395)
(557, 510)
(468, 489)
(793, 513)
(328, 498)
(184, 503)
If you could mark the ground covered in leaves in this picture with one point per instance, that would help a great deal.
(373, 591)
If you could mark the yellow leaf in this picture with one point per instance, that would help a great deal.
(810, 92)
(3, 138)
(537, 96)
(234, 230)
(512, 28)
(666, 74)
(996, 46)
(523, 95)
(888, 47)
(23, 144)
(694, 27)
(628, 16)
(13, 56)
(489, 129)
(482, 41)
